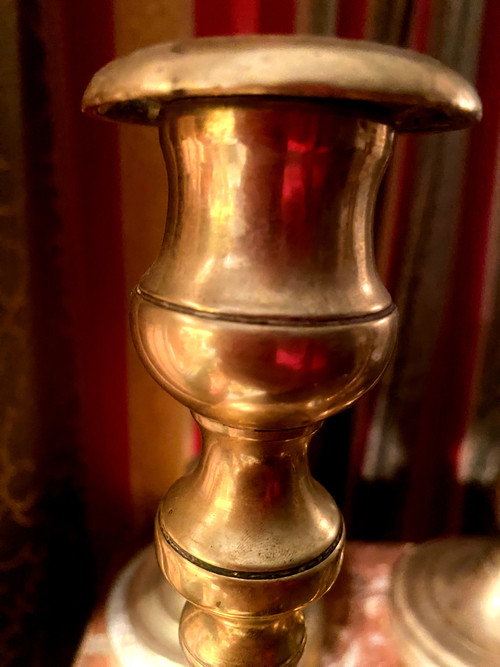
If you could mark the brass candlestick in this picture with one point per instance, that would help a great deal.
(264, 313)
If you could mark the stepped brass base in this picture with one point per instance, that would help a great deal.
(142, 616)
(445, 601)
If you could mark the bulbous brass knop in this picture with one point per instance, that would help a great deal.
(264, 313)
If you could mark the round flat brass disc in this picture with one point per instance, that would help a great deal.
(407, 90)
(445, 603)
(142, 616)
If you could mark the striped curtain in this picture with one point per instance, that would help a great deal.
(89, 442)
(422, 450)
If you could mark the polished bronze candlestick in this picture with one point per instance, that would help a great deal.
(264, 313)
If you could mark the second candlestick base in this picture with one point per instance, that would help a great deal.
(445, 602)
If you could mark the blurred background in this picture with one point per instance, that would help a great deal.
(88, 442)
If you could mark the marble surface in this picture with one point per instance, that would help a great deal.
(355, 626)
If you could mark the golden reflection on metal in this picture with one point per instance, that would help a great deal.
(264, 313)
